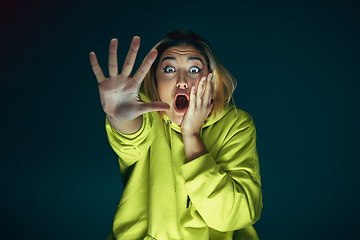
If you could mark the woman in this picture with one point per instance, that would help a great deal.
(187, 157)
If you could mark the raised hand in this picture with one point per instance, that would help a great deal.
(199, 108)
(119, 93)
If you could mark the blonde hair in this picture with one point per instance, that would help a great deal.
(224, 83)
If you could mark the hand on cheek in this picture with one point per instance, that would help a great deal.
(199, 107)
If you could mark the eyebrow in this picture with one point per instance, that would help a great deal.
(189, 58)
(168, 58)
(195, 58)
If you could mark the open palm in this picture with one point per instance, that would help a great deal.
(119, 93)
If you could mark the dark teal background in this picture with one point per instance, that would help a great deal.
(297, 64)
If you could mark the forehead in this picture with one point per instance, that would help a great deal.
(182, 52)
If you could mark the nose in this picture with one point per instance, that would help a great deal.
(182, 83)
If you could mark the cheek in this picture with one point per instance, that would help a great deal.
(203, 73)
(196, 79)
(164, 90)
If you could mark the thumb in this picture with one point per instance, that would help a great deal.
(153, 106)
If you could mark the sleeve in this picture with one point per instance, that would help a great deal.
(130, 148)
(226, 191)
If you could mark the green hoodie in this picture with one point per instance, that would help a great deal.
(216, 196)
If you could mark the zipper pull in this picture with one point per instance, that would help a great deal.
(188, 202)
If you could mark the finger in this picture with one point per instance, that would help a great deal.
(192, 98)
(131, 56)
(200, 91)
(96, 68)
(153, 106)
(210, 109)
(113, 65)
(208, 90)
(145, 66)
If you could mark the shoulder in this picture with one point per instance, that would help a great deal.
(233, 122)
(235, 117)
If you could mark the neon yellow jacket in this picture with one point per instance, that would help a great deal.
(208, 198)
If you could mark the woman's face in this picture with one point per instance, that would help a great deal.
(179, 68)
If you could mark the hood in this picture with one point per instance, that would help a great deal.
(209, 121)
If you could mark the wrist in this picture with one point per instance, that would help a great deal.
(194, 147)
(126, 127)
(190, 134)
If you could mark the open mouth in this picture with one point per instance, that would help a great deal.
(181, 102)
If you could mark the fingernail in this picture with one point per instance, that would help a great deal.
(193, 88)
(203, 79)
(211, 75)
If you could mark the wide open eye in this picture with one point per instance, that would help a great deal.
(195, 70)
(169, 69)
